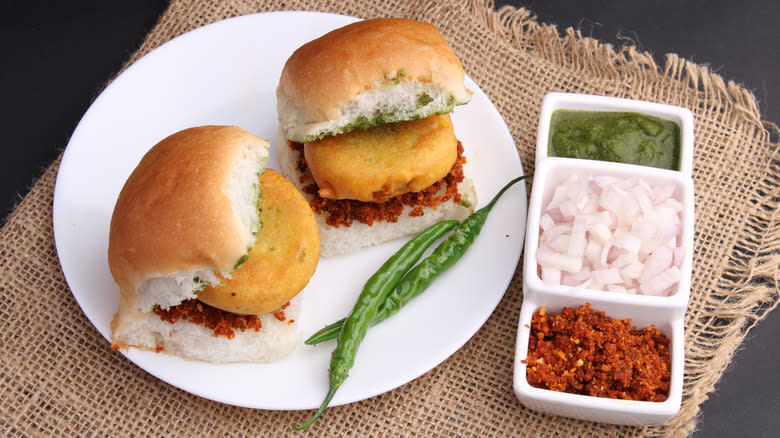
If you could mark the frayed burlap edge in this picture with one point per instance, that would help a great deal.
(723, 307)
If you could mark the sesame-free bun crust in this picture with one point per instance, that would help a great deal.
(283, 259)
(383, 65)
(186, 216)
(280, 265)
(174, 213)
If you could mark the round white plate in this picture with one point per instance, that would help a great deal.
(226, 73)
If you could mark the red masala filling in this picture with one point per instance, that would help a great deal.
(343, 212)
(221, 322)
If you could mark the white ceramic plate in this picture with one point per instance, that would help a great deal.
(226, 73)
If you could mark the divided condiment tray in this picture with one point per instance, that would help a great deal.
(666, 313)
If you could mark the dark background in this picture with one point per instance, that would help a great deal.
(56, 56)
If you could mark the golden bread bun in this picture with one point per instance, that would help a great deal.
(189, 209)
(365, 74)
(375, 164)
(188, 215)
(283, 259)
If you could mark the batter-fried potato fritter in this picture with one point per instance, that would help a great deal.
(378, 163)
(283, 258)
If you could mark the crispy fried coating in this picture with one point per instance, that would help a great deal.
(282, 260)
(379, 163)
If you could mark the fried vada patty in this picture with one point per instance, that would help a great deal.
(282, 260)
(376, 164)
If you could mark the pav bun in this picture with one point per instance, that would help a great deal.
(188, 219)
(339, 99)
(368, 73)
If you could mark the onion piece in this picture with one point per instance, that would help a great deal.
(551, 259)
(659, 261)
(659, 285)
(607, 276)
(624, 239)
(632, 271)
(577, 239)
(551, 276)
(546, 222)
(593, 252)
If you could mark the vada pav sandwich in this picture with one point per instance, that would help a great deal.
(210, 250)
(365, 131)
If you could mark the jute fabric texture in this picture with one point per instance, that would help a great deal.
(59, 377)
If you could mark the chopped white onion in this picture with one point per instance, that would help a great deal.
(661, 283)
(552, 259)
(624, 239)
(551, 276)
(593, 252)
(611, 233)
(659, 261)
(546, 222)
(607, 276)
(577, 239)
(632, 271)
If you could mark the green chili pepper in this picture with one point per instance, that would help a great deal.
(414, 250)
(421, 276)
(365, 311)
(330, 331)
(374, 293)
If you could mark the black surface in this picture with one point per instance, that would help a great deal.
(56, 56)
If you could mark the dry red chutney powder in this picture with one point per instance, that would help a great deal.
(221, 322)
(586, 352)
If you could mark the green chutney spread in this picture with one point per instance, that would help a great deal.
(623, 137)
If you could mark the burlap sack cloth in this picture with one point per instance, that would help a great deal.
(61, 378)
